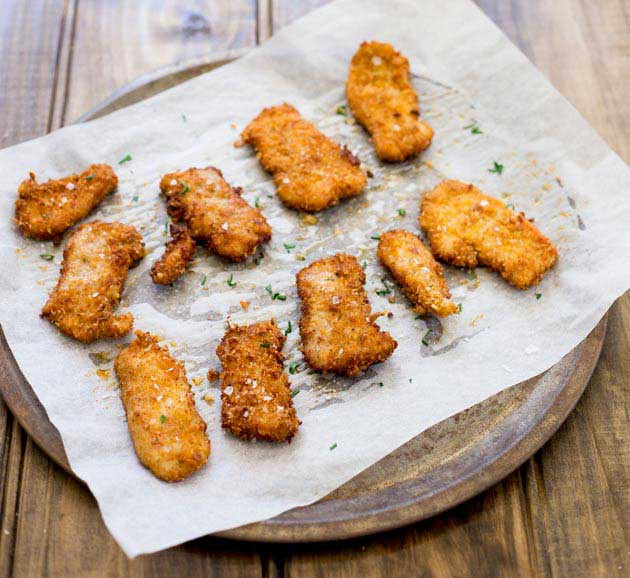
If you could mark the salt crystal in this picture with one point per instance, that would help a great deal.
(70, 186)
(377, 60)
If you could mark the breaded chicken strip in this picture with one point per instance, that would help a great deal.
(415, 269)
(95, 264)
(179, 251)
(467, 228)
(311, 171)
(382, 99)
(168, 434)
(255, 390)
(44, 211)
(214, 212)
(337, 325)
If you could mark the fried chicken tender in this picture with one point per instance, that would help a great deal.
(467, 228)
(95, 264)
(168, 434)
(415, 269)
(214, 212)
(311, 171)
(179, 251)
(382, 99)
(256, 399)
(44, 211)
(337, 325)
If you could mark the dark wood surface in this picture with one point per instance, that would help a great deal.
(564, 513)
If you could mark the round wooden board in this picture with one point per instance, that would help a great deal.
(442, 467)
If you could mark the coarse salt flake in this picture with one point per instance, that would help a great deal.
(173, 182)
(70, 186)
(225, 226)
(377, 60)
(228, 390)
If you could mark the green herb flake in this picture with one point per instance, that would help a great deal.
(183, 117)
(265, 344)
(134, 199)
(497, 168)
(425, 341)
(538, 295)
(257, 260)
(364, 264)
(332, 447)
(89, 177)
(511, 206)
(186, 188)
(459, 308)
(124, 160)
(163, 418)
(166, 228)
(289, 246)
(274, 295)
(204, 279)
(257, 203)
(230, 282)
(386, 289)
(294, 392)
(342, 109)
(375, 237)
(402, 212)
(293, 367)
(288, 329)
(380, 384)
(474, 128)
(47, 256)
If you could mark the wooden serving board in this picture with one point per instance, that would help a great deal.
(440, 468)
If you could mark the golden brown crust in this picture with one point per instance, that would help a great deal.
(214, 212)
(337, 325)
(95, 264)
(382, 99)
(419, 274)
(44, 211)
(168, 434)
(179, 251)
(467, 228)
(256, 399)
(311, 171)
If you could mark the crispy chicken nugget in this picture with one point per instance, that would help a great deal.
(467, 228)
(337, 325)
(311, 171)
(415, 269)
(44, 211)
(167, 432)
(256, 399)
(214, 212)
(383, 100)
(95, 264)
(179, 251)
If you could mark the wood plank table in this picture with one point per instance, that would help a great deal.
(566, 512)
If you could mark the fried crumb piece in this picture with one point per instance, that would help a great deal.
(213, 375)
(179, 251)
(244, 305)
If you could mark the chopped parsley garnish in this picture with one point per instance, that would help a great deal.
(364, 264)
(230, 281)
(289, 328)
(332, 447)
(89, 177)
(134, 199)
(166, 228)
(538, 295)
(293, 367)
(289, 246)
(265, 344)
(474, 128)
(375, 237)
(459, 308)
(163, 418)
(497, 168)
(186, 188)
(511, 206)
(294, 392)
(425, 337)
(386, 289)
(380, 384)
(257, 203)
(402, 212)
(342, 109)
(204, 279)
(124, 160)
(183, 117)
(274, 295)
(47, 256)
(258, 259)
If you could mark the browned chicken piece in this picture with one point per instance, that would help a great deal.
(311, 171)
(418, 273)
(179, 251)
(168, 434)
(382, 99)
(214, 212)
(256, 399)
(337, 326)
(467, 228)
(44, 211)
(95, 264)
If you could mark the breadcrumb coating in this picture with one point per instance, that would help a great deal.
(168, 434)
(383, 100)
(311, 171)
(467, 228)
(44, 211)
(214, 212)
(418, 273)
(179, 251)
(337, 325)
(256, 398)
(96, 260)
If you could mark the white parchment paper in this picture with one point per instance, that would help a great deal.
(556, 169)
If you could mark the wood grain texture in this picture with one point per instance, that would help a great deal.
(565, 513)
